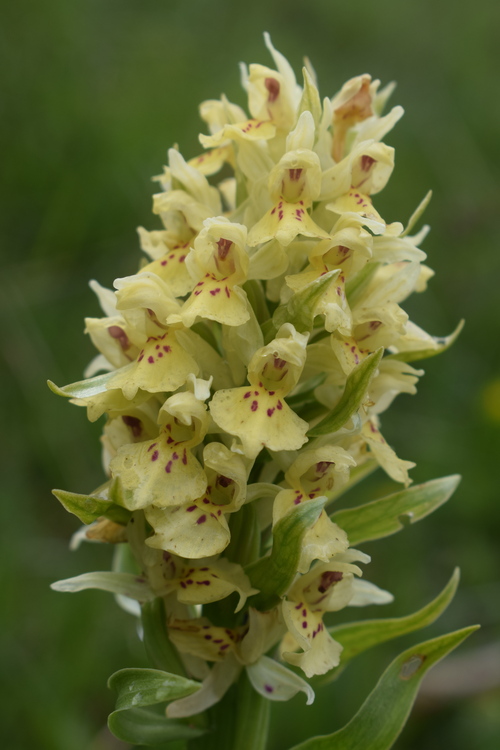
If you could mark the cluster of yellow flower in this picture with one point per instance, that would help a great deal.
(243, 375)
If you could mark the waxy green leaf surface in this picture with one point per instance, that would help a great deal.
(354, 394)
(390, 514)
(356, 637)
(383, 715)
(273, 574)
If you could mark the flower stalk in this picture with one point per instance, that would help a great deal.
(242, 373)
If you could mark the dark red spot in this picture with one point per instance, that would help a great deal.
(322, 467)
(268, 688)
(201, 519)
(228, 293)
(167, 349)
(367, 162)
(168, 467)
(134, 424)
(226, 645)
(270, 412)
(208, 637)
(254, 406)
(152, 446)
(184, 457)
(191, 508)
(155, 455)
(119, 334)
(295, 174)
(223, 247)
(224, 481)
(183, 585)
(163, 263)
(273, 88)
(182, 258)
(304, 624)
(328, 579)
(151, 360)
(279, 406)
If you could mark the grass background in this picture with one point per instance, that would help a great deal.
(94, 93)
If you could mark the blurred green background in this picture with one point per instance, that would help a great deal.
(94, 93)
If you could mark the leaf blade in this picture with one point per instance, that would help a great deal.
(356, 637)
(274, 573)
(354, 393)
(136, 688)
(388, 515)
(148, 727)
(383, 715)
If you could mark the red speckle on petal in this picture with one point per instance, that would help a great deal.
(254, 406)
(273, 88)
(184, 457)
(119, 334)
(367, 162)
(168, 467)
(155, 455)
(279, 405)
(268, 688)
(191, 508)
(304, 624)
(228, 293)
(151, 360)
(167, 349)
(134, 424)
(270, 412)
(201, 519)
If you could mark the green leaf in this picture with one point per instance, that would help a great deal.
(442, 344)
(299, 310)
(159, 647)
(273, 574)
(383, 715)
(357, 474)
(417, 214)
(354, 394)
(86, 388)
(149, 726)
(356, 637)
(257, 298)
(145, 687)
(381, 518)
(88, 508)
(310, 100)
(359, 282)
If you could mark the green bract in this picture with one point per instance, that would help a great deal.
(241, 375)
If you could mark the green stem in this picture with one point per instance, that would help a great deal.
(159, 647)
(252, 717)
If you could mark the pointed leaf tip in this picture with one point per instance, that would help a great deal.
(381, 718)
